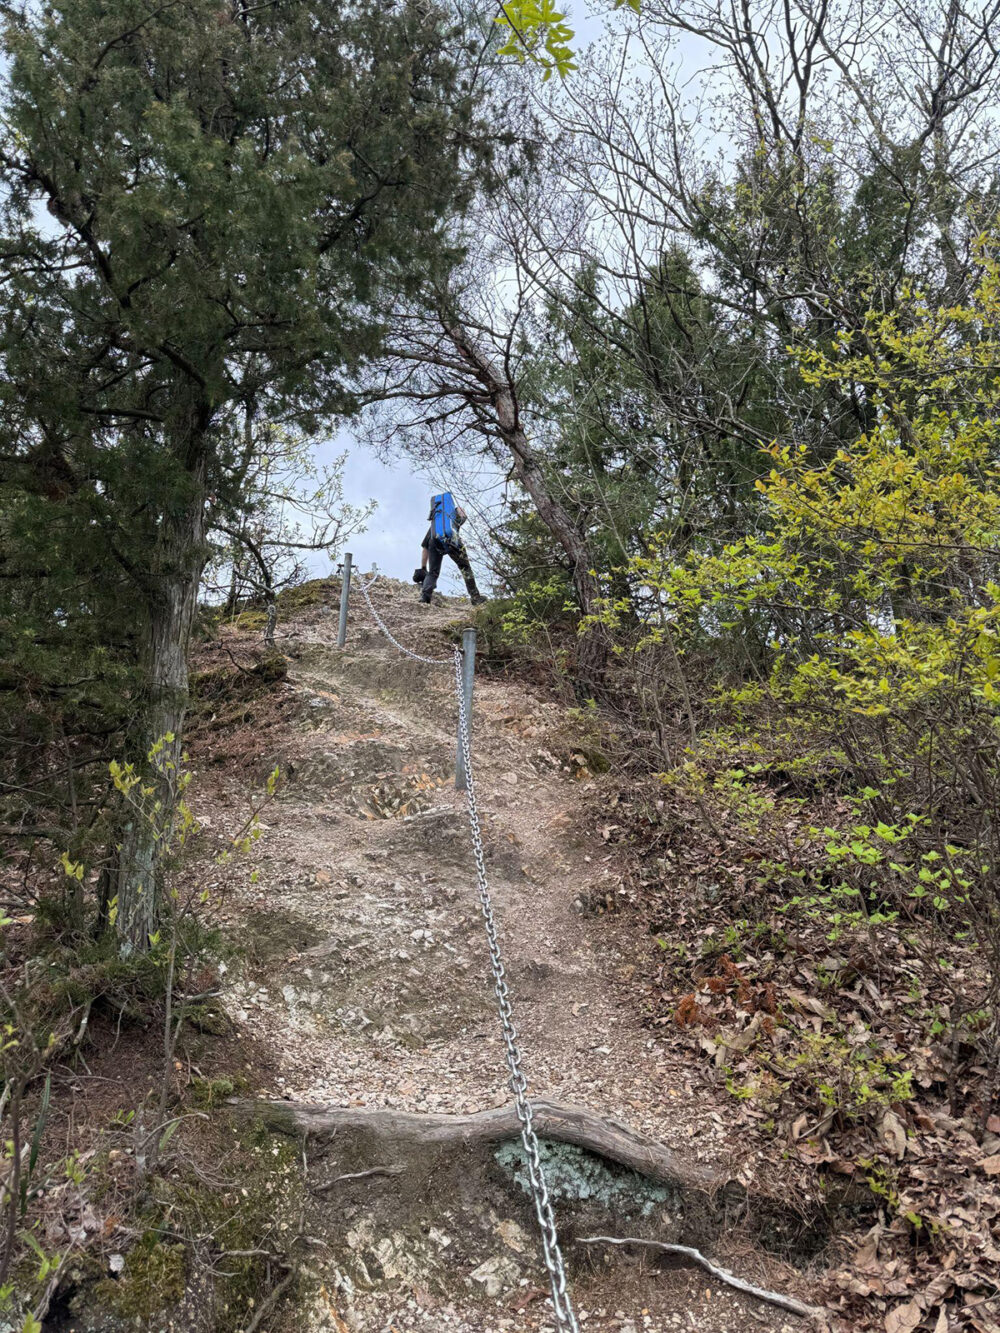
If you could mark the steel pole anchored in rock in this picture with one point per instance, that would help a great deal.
(468, 676)
(345, 592)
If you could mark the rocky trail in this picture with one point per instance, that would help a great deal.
(367, 990)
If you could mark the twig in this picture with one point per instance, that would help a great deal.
(359, 1175)
(269, 1302)
(83, 1023)
(774, 1297)
(175, 1119)
(237, 664)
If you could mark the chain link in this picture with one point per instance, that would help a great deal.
(408, 652)
(551, 1253)
(518, 1083)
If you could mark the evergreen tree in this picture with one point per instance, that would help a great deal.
(205, 208)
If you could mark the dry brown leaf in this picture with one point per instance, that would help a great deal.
(893, 1134)
(843, 1166)
(904, 1318)
(936, 1292)
(991, 1165)
(867, 1252)
(741, 1040)
(522, 1299)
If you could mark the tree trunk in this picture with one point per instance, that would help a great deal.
(593, 652)
(233, 597)
(176, 575)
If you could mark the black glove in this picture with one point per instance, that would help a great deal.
(419, 575)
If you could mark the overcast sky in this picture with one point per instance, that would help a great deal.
(392, 539)
(403, 493)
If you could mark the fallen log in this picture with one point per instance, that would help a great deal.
(559, 1122)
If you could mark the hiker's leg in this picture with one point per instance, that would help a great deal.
(434, 557)
(461, 558)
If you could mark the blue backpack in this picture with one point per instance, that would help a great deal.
(443, 516)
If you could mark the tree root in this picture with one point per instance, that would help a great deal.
(358, 1175)
(270, 1301)
(559, 1122)
(696, 1256)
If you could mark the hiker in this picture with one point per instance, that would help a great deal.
(442, 539)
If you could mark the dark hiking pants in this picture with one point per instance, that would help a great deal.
(435, 555)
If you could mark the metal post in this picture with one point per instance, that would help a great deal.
(468, 674)
(345, 590)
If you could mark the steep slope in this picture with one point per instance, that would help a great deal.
(368, 985)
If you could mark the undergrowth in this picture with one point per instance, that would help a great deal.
(67, 989)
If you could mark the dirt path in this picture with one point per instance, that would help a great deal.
(368, 986)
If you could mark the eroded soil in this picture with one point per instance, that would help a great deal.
(366, 981)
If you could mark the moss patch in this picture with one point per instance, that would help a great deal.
(153, 1279)
(213, 1092)
(314, 592)
(203, 1249)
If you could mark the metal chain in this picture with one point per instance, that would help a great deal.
(408, 652)
(551, 1252)
(518, 1083)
